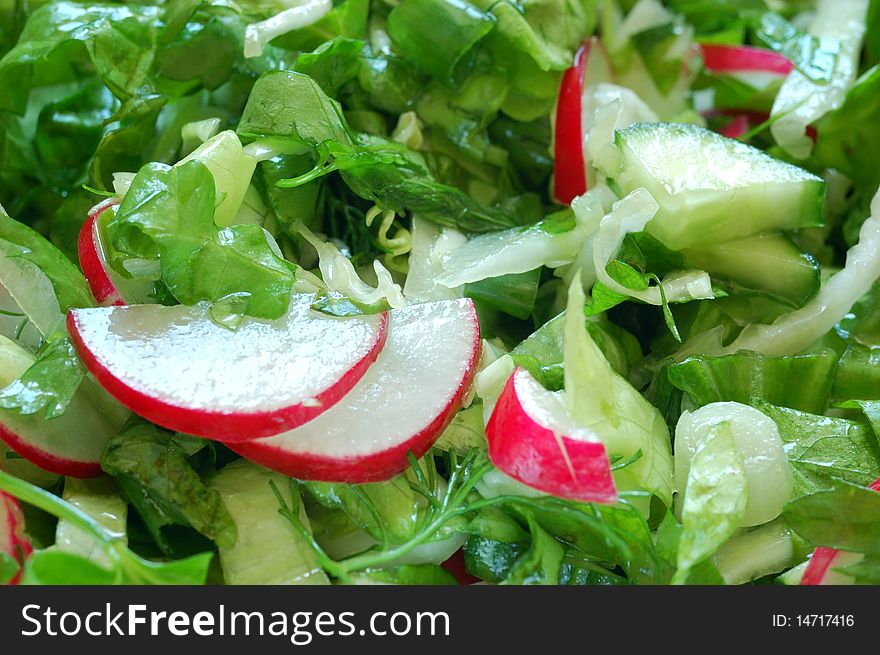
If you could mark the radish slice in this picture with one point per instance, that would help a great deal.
(737, 127)
(402, 404)
(819, 571)
(720, 58)
(569, 171)
(70, 444)
(743, 121)
(177, 368)
(456, 566)
(108, 287)
(13, 540)
(533, 439)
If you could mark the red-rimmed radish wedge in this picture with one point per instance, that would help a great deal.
(721, 58)
(533, 439)
(179, 369)
(13, 540)
(107, 286)
(70, 444)
(569, 169)
(820, 570)
(402, 404)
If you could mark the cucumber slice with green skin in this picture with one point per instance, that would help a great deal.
(712, 189)
(754, 553)
(268, 550)
(767, 263)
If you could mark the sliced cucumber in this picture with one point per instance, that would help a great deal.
(268, 550)
(768, 263)
(712, 189)
(755, 552)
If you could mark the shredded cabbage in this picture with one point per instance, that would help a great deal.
(301, 13)
(122, 182)
(800, 102)
(430, 245)
(795, 331)
(409, 130)
(232, 169)
(600, 399)
(340, 275)
(631, 214)
(518, 249)
(195, 133)
(400, 243)
(605, 109)
(589, 209)
(768, 473)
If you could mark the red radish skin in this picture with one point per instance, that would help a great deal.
(13, 540)
(47, 461)
(823, 557)
(457, 567)
(101, 206)
(531, 452)
(569, 166)
(737, 127)
(225, 425)
(357, 420)
(719, 58)
(102, 287)
(742, 120)
(107, 287)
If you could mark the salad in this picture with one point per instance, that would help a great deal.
(576, 292)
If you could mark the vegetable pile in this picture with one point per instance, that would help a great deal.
(434, 291)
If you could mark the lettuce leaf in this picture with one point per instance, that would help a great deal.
(840, 27)
(715, 502)
(292, 106)
(746, 375)
(168, 215)
(456, 26)
(599, 398)
(824, 450)
(43, 282)
(152, 470)
(50, 383)
(332, 64)
(114, 38)
(843, 517)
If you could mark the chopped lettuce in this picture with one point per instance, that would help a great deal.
(167, 217)
(745, 375)
(823, 449)
(552, 242)
(599, 398)
(38, 277)
(715, 503)
(819, 519)
(631, 214)
(155, 475)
